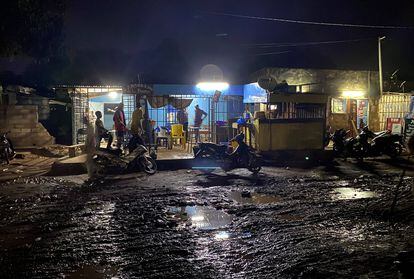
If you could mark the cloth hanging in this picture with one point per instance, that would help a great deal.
(158, 101)
(162, 101)
(179, 103)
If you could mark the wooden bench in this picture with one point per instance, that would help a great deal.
(72, 149)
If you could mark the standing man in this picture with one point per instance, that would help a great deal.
(247, 115)
(136, 122)
(120, 126)
(136, 128)
(198, 120)
(182, 117)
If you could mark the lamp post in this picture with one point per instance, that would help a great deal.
(380, 63)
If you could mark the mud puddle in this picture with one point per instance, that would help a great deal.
(202, 217)
(349, 193)
(246, 197)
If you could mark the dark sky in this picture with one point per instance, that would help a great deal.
(169, 41)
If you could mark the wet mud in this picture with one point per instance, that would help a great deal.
(190, 225)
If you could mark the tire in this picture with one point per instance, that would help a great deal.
(394, 150)
(338, 151)
(147, 164)
(254, 164)
(358, 151)
(5, 156)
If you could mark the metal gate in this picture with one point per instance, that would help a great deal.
(129, 101)
(80, 115)
(393, 105)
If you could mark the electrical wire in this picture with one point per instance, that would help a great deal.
(275, 45)
(272, 53)
(313, 22)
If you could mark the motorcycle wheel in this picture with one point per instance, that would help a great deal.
(147, 164)
(254, 165)
(358, 153)
(394, 150)
(338, 151)
(6, 157)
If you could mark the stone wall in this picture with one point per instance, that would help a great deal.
(334, 81)
(23, 124)
(42, 104)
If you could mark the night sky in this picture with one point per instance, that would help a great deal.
(169, 41)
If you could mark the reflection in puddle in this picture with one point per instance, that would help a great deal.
(254, 198)
(94, 272)
(203, 217)
(222, 235)
(349, 193)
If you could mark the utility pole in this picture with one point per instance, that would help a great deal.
(380, 63)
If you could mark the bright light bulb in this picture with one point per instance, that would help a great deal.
(211, 86)
(353, 94)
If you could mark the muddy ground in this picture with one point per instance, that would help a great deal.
(325, 222)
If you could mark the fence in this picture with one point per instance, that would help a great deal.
(393, 105)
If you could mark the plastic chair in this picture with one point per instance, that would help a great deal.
(162, 137)
(177, 132)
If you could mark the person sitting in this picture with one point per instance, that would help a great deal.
(101, 132)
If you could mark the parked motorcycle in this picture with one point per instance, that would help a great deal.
(382, 143)
(211, 155)
(345, 146)
(6, 148)
(109, 161)
(366, 144)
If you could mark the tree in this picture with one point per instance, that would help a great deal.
(31, 28)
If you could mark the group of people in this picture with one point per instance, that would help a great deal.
(138, 126)
(120, 127)
(199, 116)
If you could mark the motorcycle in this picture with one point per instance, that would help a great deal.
(382, 143)
(345, 146)
(109, 161)
(211, 155)
(6, 148)
(366, 144)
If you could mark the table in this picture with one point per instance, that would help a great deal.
(191, 135)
